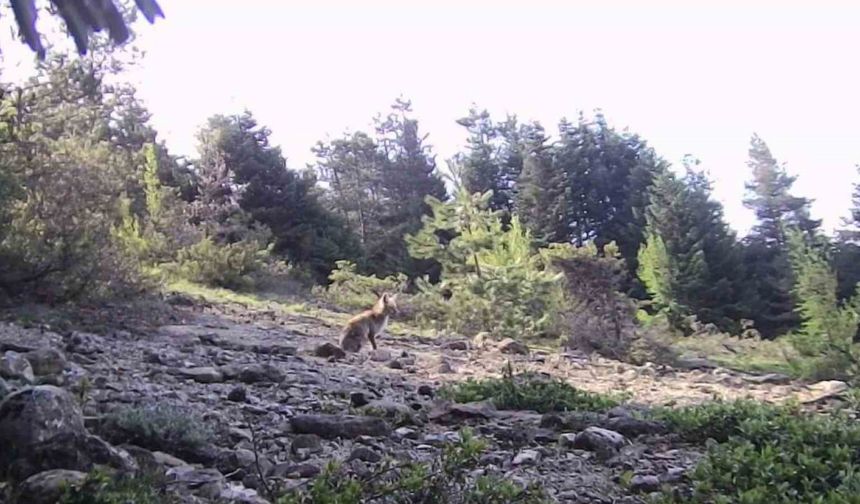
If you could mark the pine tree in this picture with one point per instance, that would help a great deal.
(768, 299)
(607, 174)
(699, 273)
(249, 177)
(482, 169)
(540, 199)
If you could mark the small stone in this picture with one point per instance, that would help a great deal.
(597, 439)
(364, 454)
(480, 339)
(305, 444)
(329, 350)
(238, 435)
(445, 368)
(290, 470)
(426, 390)
(442, 439)
(645, 483)
(46, 361)
(567, 440)
(358, 399)
(396, 364)
(168, 460)
(381, 355)
(238, 394)
(769, 378)
(527, 457)
(205, 483)
(511, 346)
(202, 374)
(48, 487)
(14, 366)
(406, 433)
(457, 345)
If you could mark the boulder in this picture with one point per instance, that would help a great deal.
(511, 346)
(600, 440)
(37, 414)
(47, 487)
(329, 350)
(47, 361)
(334, 426)
(14, 366)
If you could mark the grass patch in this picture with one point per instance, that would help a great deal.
(769, 454)
(163, 428)
(529, 392)
(741, 354)
(444, 479)
(101, 488)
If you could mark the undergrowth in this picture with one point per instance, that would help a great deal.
(528, 391)
(761, 454)
(445, 479)
(159, 427)
(101, 488)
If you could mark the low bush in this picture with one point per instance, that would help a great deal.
(160, 427)
(220, 265)
(102, 488)
(528, 392)
(444, 479)
(350, 289)
(769, 454)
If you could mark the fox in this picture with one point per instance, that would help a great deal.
(368, 324)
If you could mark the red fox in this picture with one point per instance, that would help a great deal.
(368, 324)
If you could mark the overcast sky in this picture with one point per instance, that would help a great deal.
(690, 77)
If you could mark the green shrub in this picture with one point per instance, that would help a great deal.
(528, 392)
(492, 280)
(164, 428)
(220, 265)
(102, 488)
(349, 289)
(445, 479)
(825, 340)
(770, 454)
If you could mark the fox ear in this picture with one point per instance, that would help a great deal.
(384, 297)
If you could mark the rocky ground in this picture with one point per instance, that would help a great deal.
(281, 404)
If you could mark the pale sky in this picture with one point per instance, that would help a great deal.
(690, 77)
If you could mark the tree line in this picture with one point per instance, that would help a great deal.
(90, 195)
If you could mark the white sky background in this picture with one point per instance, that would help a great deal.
(690, 77)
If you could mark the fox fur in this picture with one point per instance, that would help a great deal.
(368, 324)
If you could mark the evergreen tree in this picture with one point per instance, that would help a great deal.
(408, 176)
(608, 175)
(541, 189)
(768, 299)
(239, 169)
(699, 273)
(482, 170)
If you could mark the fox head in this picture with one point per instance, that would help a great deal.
(387, 304)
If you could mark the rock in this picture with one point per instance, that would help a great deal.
(84, 343)
(333, 426)
(632, 427)
(46, 361)
(770, 378)
(448, 412)
(238, 394)
(234, 493)
(597, 439)
(143, 457)
(480, 339)
(396, 364)
(204, 483)
(692, 363)
(5, 389)
(527, 457)
(48, 487)
(511, 346)
(381, 355)
(567, 440)
(442, 439)
(445, 367)
(238, 435)
(202, 374)
(35, 415)
(426, 390)
(232, 460)
(328, 349)
(289, 470)
(14, 366)
(824, 390)
(364, 454)
(80, 452)
(167, 460)
(358, 399)
(457, 345)
(405, 433)
(396, 412)
(253, 373)
(305, 444)
(645, 483)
